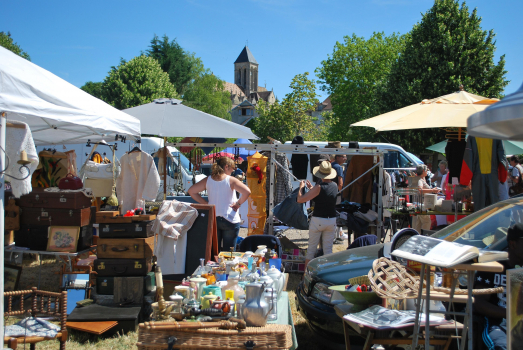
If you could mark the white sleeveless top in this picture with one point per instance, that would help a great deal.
(221, 195)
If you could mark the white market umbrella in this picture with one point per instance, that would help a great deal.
(170, 118)
(447, 111)
(503, 120)
(56, 111)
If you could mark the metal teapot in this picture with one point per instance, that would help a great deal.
(255, 309)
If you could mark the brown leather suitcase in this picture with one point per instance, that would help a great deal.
(39, 198)
(122, 267)
(125, 248)
(56, 217)
(142, 229)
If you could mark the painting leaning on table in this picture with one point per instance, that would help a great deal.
(63, 238)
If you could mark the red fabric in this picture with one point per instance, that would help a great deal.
(258, 171)
(466, 174)
(502, 173)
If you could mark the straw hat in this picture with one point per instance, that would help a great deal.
(324, 171)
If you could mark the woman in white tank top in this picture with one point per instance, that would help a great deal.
(221, 190)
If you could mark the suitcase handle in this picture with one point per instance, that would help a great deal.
(119, 249)
(120, 272)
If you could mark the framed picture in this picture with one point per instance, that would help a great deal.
(63, 238)
(11, 277)
(514, 308)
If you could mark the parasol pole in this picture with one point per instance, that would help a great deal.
(165, 168)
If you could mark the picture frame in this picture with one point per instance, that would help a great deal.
(63, 238)
(514, 297)
(12, 275)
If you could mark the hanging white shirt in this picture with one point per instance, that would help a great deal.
(19, 139)
(138, 181)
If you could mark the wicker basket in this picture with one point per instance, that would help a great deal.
(360, 280)
(273, 336)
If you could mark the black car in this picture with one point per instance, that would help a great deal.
(486, 228)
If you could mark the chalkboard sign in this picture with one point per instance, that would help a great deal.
(202, 241)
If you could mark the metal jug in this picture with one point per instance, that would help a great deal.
(256, 309)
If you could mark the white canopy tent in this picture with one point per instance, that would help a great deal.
(56, 112)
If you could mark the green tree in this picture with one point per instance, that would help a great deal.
(352, 76)
(448, 48)
(182, 66)
(7, 42)
(207, 94)
(93, 88)
(139, 81)
(292, 116)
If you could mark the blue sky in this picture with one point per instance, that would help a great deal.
(80, 40)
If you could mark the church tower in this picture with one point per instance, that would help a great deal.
(246, 72)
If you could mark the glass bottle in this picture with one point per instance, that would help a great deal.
(232, 284)
(201, 269)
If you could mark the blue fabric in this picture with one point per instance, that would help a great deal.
(228, 232)
(339, 169)
(363, 241)
(292, 213)
(495, 335)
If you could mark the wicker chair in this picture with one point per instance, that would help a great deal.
(41, 303)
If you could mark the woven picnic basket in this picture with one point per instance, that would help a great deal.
(272, 336)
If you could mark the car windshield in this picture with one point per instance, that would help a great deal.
(487, 227)
(416, 159)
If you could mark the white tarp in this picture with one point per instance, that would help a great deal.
(169, 118)
(56, 111)
(502, 120)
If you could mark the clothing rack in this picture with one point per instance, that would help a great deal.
(453, 134)
(302, 149)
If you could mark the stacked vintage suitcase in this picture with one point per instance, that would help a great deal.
(124, 257)
(41, 209)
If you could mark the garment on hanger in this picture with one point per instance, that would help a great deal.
(387, 198)
(18, 139)
(138, 180)
(454, 151)
(481, 160)
(299, 162)
(173, 221)
(282, 180)
(361, 191)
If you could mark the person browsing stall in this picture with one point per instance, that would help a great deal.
(493, 307)
(420, 222)
(323, 222)
(442, 170)
(221, 190)
(337, 164)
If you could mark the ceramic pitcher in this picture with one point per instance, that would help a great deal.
(255, 309)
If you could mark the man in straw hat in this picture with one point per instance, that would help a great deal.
(323, 221)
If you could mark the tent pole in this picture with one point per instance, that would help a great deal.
(165, 168)
(3, 122)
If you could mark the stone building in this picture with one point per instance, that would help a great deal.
(245, 92)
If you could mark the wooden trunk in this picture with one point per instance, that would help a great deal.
(131, 248)
(122, 267)
(39, 198)
(56, 217)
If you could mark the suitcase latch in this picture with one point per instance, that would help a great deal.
(70, 213)
(101, 266)
(137, 265)
(37, 197)
(104, 247)
(138, 228)
(44, 214)
(136, 247)
(63, 200)
(106, 228)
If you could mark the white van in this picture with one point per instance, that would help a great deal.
(396, 157)
(179, 178)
